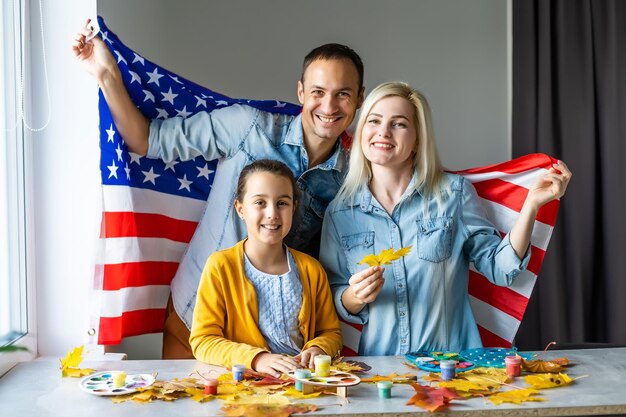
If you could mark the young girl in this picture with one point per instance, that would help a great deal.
(260, 303)
(395, 195)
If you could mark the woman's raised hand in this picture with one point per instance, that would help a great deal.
(93, 54)
(549, 186)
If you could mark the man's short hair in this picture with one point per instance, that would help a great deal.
(334, 51)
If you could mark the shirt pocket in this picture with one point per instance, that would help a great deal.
(434, 239)
(356, 247)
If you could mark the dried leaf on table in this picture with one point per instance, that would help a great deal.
(432, 399)
(175, 385)
(298, 395)
(393, 377)
(541, 381)
(198, 395)
(541, 366)
(467, 388)
(265, 399)
(516, 396)
(69, 364)
(257, 410)
(349, 366)
(432, 377)
(386, 256)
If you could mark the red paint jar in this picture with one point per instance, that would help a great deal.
(210, 386)
(513, 366)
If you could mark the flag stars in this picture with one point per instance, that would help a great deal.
(175, 79)
(169, 96)
(183, 113)
(150, 176)
(138, 58)
(221, 103)
(119, 152)
(134, 77)
(154, 77)
(135, 157)
(113, 169)
(127, 169)
(149, 96)
(204, 171)
(170, 165)
(163, 114)
(105, 37)
(120, 58)
(279, 104)
(201, 102)
(111, 134)
(184, 183)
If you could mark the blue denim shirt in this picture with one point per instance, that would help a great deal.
(238, 135)
(424, 303)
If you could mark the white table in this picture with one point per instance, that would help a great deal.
(37, 389)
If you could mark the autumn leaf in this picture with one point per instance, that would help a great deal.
(198, 395)
(432, 399)
(266, 399)
(385, 257)
(256, 410)
(349, 366)
(541, 366)
(467, 388)
(541, 381)
(70, 362)
(516, 396)
(298, 395)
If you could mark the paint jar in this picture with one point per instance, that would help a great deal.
(238, 372)
(448, 369)
(119, 379)
(384, 389)
(513, 366)
(301, 374)
(210, 386)
(322, 365)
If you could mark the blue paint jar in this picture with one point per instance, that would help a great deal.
(238, 372)
(448, 369)
(384, 389)
(301, 374)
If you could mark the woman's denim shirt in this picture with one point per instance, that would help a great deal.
(424, 303)
(238, 135)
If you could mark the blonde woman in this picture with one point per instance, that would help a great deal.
(396, 194)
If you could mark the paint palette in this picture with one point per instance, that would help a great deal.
(102, 383)
(429, 361)
(336, 379)
(492, 357)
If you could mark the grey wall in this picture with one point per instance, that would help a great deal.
(455, 51)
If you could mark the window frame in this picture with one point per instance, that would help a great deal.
(19, 191)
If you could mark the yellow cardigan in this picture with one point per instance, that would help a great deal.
(225, 327)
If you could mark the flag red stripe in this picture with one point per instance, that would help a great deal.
(359, 327)
(490, 339)
(512, 196)
(536, 259)
(346, 351)
(136, 274)
(130, 224)
(502, 298)
(130, 323)
(524, 163)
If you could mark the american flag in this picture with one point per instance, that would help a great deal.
(151, 209)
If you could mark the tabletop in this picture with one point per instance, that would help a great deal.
(36, 389)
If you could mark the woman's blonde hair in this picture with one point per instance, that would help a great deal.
(426, 161)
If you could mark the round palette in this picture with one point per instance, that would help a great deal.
(101, 383)
(336, 379)
(492, 357)
(429, 361)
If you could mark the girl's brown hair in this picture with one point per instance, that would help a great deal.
(266, 165)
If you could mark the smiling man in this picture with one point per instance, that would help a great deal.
(330, 90)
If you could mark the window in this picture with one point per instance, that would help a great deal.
(16, 314)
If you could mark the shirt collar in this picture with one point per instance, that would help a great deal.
(338, 159)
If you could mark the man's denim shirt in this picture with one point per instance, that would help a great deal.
(238, 135)
(424, 303)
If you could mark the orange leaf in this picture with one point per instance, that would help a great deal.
(541, 366)
(259, 410)
(432, 399)
(393, 377)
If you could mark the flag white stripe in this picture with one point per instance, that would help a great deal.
(523, 284)
(504, 218)
(141, 200)
(132, 249)
(523, 179)
(351, 336)
(494, 320)
(114, 303)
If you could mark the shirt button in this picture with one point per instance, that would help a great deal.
(402, 340)
(402, 314)
(400, 285)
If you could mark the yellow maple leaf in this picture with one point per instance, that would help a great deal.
(541, 381)
(298, 395)
(259, 410)
(393, 377)
(265, 399)
(198, 395)
(385, 257)
(70, 362)
(463, 386)
(516, 396)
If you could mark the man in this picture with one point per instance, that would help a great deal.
(330, 90)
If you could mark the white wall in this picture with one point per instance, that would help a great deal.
(454, 50)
